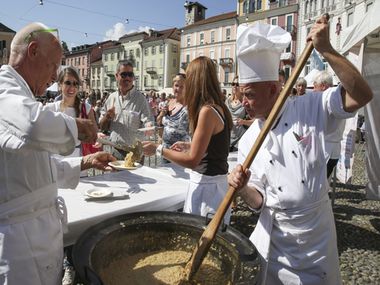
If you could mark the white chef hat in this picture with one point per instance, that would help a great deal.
(258, 49)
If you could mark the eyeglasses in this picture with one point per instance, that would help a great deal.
(71, 83)
(235, 84)
(54, 32)
(127, 74)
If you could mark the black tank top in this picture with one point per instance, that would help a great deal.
(215, 160)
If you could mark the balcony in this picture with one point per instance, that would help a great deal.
(288, 56)
(110, 73)
(151, 70)
(226, 61)
(184, 65)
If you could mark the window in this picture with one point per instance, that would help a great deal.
(137, 81)
(138, 52)
(188, 41)
(174, 62)
(78, 60)
(245, 7)
(174, 48)
(228, 33)
(145, 51)
(281, 3)
(289, 23)
(227, 53)
(112, 56)
(145, 80)
(226, 75)
(153, 50)
(137, 65)
(160, 81)
(153, 63)
(131, 52)
(201, 38)
(161, 62)
(161, 49)
(259, 4)
(251, 8)
(125, 54)
(212, 36)
(188, 58)
(273, 21)
(350, 19)
(212, 54)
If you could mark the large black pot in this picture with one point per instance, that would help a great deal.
(150, 231)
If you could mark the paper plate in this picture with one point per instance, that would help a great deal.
(98, 193)
(119, 165)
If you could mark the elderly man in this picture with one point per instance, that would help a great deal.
(295, 235)
(322, 81)
(31, 240)
(125, 110)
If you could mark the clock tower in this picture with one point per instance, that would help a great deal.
(194, 12)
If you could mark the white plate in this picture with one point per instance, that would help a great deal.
(98, 193)
(119, 165)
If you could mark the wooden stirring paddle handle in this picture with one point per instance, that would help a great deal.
(209, 234)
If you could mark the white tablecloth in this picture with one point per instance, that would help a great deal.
(150, 189)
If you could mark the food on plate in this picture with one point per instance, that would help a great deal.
(128, 161)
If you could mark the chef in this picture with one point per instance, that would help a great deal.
(295, 235)
(31, 214)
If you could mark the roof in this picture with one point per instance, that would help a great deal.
(172, 33)
(126, 36)
(217, 18)
(5, 29)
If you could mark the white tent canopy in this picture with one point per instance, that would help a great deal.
(53, 87)
(363, 40)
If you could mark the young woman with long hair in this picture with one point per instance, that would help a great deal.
(210, 125)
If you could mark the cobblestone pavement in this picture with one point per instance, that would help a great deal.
(357, 223)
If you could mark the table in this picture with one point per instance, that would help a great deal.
(150, 189)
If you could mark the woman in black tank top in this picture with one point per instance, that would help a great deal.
(210, 124)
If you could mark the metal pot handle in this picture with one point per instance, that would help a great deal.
(91, 277)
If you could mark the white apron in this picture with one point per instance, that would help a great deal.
(205, 193)
(29, 257)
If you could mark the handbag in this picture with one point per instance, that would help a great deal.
(87, 148)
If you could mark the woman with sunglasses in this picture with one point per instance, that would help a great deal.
(68, 85)
(210, 124)
(239, 116)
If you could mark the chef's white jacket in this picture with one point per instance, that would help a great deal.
(295, 234)
(31, 246)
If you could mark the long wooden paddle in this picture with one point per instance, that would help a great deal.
(209, 234)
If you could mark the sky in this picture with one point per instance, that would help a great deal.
(91, 21)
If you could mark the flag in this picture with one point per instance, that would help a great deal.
(316, 61)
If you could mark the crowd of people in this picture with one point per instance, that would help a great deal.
(42, 148)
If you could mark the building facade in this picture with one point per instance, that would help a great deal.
(160, 59)
(79, 57)
(6, 37)
(344, 14)
(214, 37)
(283, 13)
(110, 58)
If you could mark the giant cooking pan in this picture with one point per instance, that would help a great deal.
(142, 232)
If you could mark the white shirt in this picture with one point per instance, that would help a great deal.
(296, 230)
(30, 227)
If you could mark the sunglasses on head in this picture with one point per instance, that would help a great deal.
(71, 83)
(126, 74)
(235, 84)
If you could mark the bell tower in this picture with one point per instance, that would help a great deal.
(194, 12)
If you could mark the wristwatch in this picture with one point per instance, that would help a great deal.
(159, 150)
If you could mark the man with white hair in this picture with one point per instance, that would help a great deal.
(31, 239)
(322, 81)
(295, 235)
